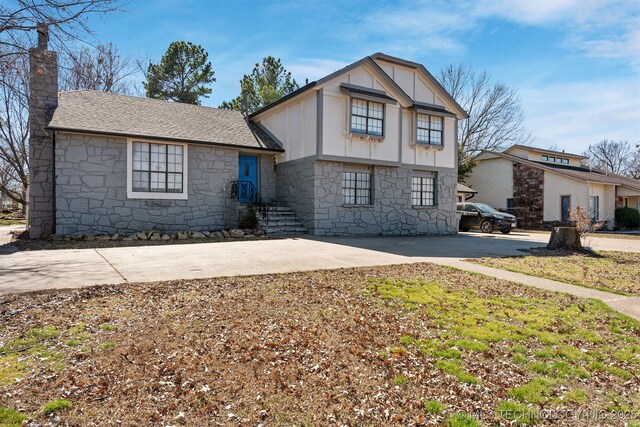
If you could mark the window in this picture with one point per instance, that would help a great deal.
(554, 159)
(545, 158)
(594, 208)
(428, 129)
(565, 208)
(367, 117)
(510, 204)
(156, 171)
(356, 188)
(565, 161)
(423, 191)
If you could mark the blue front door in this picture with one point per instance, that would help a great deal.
(248, 178)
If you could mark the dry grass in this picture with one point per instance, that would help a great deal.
(609, 271)
(397, 345)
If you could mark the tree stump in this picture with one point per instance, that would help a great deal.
(565, 238)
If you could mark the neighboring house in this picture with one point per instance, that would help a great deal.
(543, 186)
(369, 149)
(7, 203)
(465, 193)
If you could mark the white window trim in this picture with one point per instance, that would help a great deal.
(156, 195)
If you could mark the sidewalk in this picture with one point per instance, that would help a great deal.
(624, 304)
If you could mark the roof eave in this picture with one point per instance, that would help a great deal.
(161, 138)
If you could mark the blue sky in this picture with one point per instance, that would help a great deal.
(575, 63)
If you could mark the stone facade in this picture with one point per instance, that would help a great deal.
(528, 198)
(314, 191)
(91, 189)
(43, 99)
(295, 186)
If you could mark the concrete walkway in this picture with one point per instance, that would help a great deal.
(72, 268)
(624, 304)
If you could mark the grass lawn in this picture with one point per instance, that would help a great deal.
(603, 234)
(397, 345)
(610, 271)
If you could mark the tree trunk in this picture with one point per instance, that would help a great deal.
(565, 238)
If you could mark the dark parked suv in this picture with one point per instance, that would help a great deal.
(484, 217)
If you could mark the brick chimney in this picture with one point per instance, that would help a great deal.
(43, 100)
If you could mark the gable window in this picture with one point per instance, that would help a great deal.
(429, 129)
(367, 117)
(356, 188)
(156, 171)
(423, 191)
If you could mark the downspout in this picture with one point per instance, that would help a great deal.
(53, 184)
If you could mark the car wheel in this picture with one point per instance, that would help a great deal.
(486, 226)
(505, 231)
(464, 230)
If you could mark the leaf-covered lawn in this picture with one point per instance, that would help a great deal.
(398, 345)
(610, 271)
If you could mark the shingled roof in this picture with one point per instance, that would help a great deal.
(102, 113)
(574, 171)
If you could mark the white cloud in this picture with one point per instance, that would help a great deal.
(575, 115)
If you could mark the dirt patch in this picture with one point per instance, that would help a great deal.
(397, 345)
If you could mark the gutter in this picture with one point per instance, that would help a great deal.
(163, 138)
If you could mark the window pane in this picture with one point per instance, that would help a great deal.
(374, 127)
(140, 181)
(158, 181)
(140, 156)
(358, 124)
(436, 123)
(375, 110)
(158, 157)
(174, 182)
(436, 137)
(423, 121)
(359, 107)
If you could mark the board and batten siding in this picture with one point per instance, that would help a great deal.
(294, 126)
(398, 144)
(493, 180)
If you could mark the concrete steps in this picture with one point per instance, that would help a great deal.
(281, 221)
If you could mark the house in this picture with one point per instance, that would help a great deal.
(367, 150)
(8, 204)
(542, 186)
(465, 193)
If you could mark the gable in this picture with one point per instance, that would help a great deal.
(418, 83)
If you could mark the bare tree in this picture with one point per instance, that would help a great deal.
(14, 127)
(609, 155)
(102, 69)
(68, 20)
(495, 113)
(634, 165)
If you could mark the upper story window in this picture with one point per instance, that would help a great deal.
(156, 171)
(429, 129)
(356, 188)
(554, 159)
(367, 117)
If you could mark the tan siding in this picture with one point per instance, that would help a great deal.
(557, 185)
(493, 180)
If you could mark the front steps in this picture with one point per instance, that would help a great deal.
(281, 221)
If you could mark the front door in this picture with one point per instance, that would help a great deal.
(248, 178)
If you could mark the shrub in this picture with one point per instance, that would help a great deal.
(249, 218)
(627, 218)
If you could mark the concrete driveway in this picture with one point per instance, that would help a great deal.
(72, 268)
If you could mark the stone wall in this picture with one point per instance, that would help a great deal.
(43, 99)
(528, 198)
(91, 190)
(314, 191)
(391, 212)
(295, 186)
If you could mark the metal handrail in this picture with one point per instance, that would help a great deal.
(246, 190)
